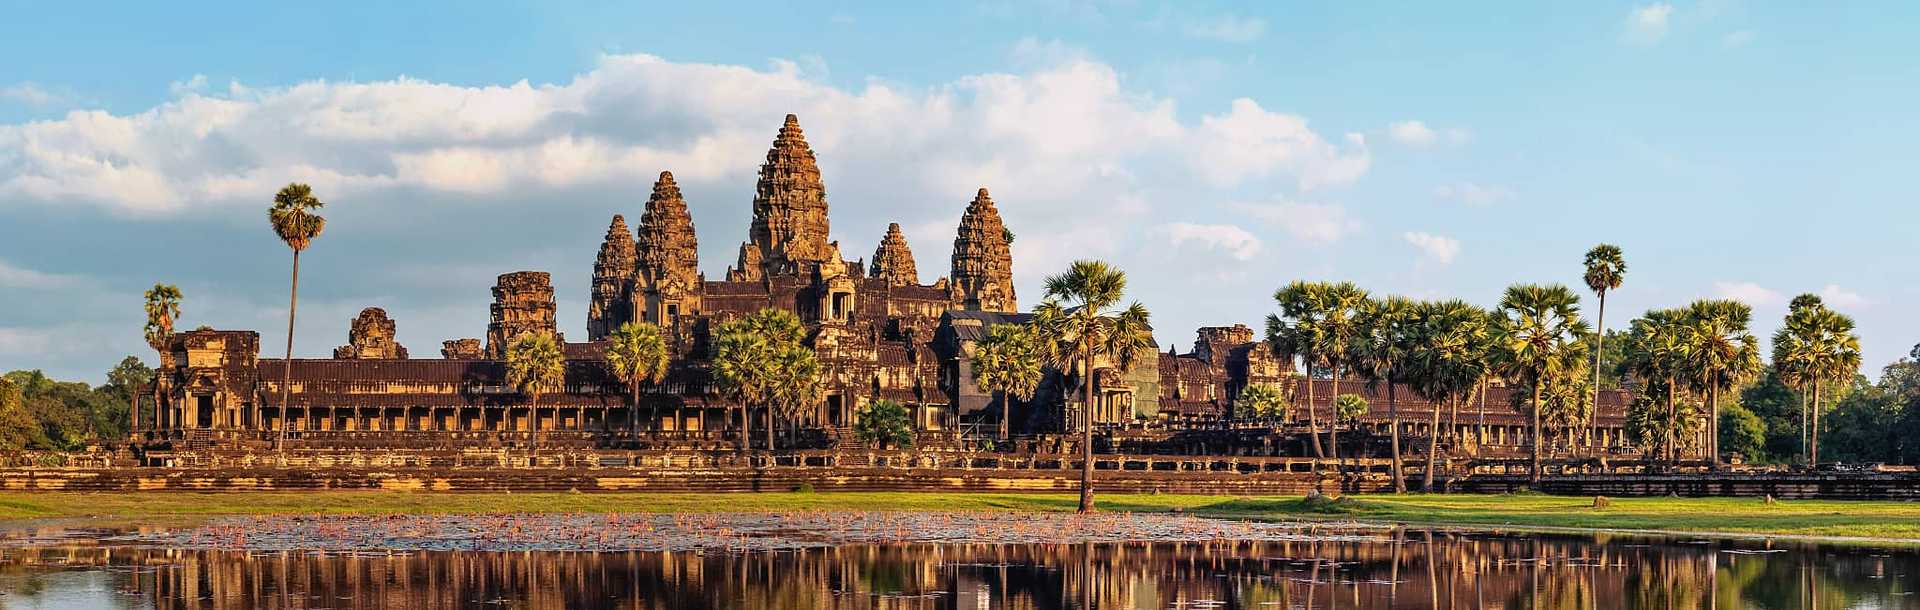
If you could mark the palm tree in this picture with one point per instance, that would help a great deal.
(762, 360)
(1379, 352)
(1082, 328)
(535, 366)
(1835, 357)
(1324, 324)
(1656, 354)
(295, 221)
(163, 307)
(1452, 350)
(1721, 354)
(1793, 347)
(796, 385)
(742, 369)
(1263, 400)
(637, 354)
(1295, 331)
(1605, 269)
(1008, 362)
(1538, 327)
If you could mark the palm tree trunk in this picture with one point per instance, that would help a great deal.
(1599, 348)
(1713, 427)
(1086, 436)
(1433, 445)
(1006, 412)
(1673, 421)
(1313, 421)
(1333, 428)
(1814, 456)
(1803, 424)
(770, 445)
(286, 366)
(1393, 413)
(1534, 441)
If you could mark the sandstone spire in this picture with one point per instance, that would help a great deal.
(982, 260)
(669, 253)
(612, 281)
(789, 208)
(522, 303)
(893, 261)
(371, 338)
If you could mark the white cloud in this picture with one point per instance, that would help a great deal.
(1737, 39)
(1749, 293)
(1648, 24)
(1227, 28)
(30, 94)
(1471, 193)
(1413, 133)
(1836, 296)
(1251, 142)
(1308, 222)
(12, 276)
(1236, 241)
(1436, 248)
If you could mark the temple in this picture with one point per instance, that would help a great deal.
(878, 331)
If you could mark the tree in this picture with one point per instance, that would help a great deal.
(1348, 409)
(1008, 361)
(535, 366)
(1794, 352)
(163, 308)
(1266, 401)
(1540, 333)
(1453, 348)
(884, 422)
(796, 385)
(295, 220)
(1316, 322)
(1743, 432)
(1721, 354)
(1656, 354)
(1605, 268)
(1082, 328)
(762, 360)
(1834, 355)
(18, 429)
(637, 354)
(1386, 337)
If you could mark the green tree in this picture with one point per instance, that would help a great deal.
(296, 221)
(1743, 432)
(1605, 268)
(1540, 343)
(1834, 354)
(884, 422)
(762, 360)
(1079, 319)
(1387, 334)
(163, 308)
(1656, 355)
(1349, 409)
(1318, 322)
(1009, 362)
(1453, 351)
(637, 354)
(1266, 401)
(18, 429)
(1721, 355)
(796, 384)
(535, 366)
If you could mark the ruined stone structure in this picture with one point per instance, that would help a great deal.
(371, 338)
(877, 331)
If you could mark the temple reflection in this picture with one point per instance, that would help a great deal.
(1404, 569)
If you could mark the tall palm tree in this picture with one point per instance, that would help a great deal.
(762, 359)
(1793, 347)
(1008, 361)
(295, 220)
(1386, 337)
(1539, 327)
(1324, 324)
(1452, 350)
(637, 354)
(1656, 354)
(1721, 354)
(1263, 400)
(536, 366)
(742, 369)
(163, 308)
(1836, 357)
(1295, 331)
(1083, 328)
(1605, 269)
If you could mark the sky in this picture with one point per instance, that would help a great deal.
(1213, 151)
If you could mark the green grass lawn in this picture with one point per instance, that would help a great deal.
(1896, 520)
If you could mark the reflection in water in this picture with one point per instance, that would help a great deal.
(1411, 569)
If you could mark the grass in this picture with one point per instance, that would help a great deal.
(1821, 518)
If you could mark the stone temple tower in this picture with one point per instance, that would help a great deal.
(612, 282)
(982, 274)
(522, 303)
(893, 261)
(666, 278)
(789, 232)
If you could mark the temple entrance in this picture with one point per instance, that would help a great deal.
(203, 411)
(835, 411)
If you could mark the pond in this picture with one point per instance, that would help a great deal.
(1176, 563)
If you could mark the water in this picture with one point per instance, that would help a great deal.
(1392, 569)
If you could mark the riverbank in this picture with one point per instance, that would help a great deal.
(1887, 521)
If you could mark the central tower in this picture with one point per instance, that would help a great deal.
(789, 233)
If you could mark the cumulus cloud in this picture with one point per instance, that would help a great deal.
(1252, 142)
(1749, 293)
(1471, 193)
(1234, 240)
(1436, 248)
(1227, 28)
(1647, 24)
(1836, 296)
(1413, 133)
(30, 94)
(1307, 222)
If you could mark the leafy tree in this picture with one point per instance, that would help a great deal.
(1452, 353)
(1008, 361)
(18, 430)
(1539, 341)
(1317, 321)
(296, 221)
(535, 366)
(1270, 402)
(1349, 408)
(1656, 355)
(1833, 354)
(1743, 432)
(1605, 268)
(1721, 355)
(762, 360)
(885, 422)
(637, 354)
(1079, 319)
(1386, 338)
(1779, 410)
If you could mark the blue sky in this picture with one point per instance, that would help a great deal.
(1214, 151)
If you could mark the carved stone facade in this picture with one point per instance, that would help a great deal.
(462, 349)
(982, 275)
(667, 280)
(893, 261)
(371, 337)
(522, 303)
(789, 232)
(612, 281)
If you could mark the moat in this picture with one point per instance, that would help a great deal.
(917, 560)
